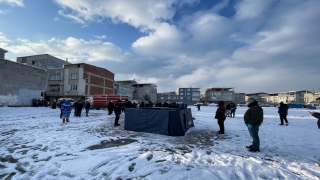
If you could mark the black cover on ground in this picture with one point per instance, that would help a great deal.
(165, 121)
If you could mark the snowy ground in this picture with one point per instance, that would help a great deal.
(35, 144)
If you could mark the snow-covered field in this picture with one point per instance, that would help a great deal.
(35, 144)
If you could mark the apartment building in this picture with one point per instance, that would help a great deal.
(239, 98)
(293, 96)
(216, 94)
(145, 92)
(44, 61)
(167, 97)
(260, 96)
(124, 88)
(188, 95)
(79, 81)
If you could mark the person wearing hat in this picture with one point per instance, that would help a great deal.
(117, 111)
(316, 114)
(283, 112)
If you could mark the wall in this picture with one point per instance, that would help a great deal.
(20, 83)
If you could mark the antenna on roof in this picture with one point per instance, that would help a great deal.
(67, 59)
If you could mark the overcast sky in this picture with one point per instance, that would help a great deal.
(251, 45)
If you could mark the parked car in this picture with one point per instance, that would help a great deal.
(213, 104)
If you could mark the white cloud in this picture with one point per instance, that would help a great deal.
(13, 2)
(100, 37)
(3, 11)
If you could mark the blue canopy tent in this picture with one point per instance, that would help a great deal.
(165, 121)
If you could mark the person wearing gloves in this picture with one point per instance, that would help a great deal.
(253, 118)
(66, 111)
(316, 114)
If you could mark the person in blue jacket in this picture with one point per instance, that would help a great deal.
(66, 111)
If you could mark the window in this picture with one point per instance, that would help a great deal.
(181, 97)
(72, 87)
(161, 97)
(74, 76)
(188, 89)
(188, 93)
(181, 93)
(55, 77)
(181, 89)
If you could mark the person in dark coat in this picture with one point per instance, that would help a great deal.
(316, 114)
(142, 105)
(80, 107)
(117, 112)
(134, 105)
(221, 116)
(233, 109)
(87, 107)
(198, 105)
(165, 104)
(54, 104)
(283, 112)
(253, 118)
(110, 107)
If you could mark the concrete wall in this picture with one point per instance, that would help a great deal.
(20, 83)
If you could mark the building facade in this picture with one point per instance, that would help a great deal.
(145, 92)
(239, 98)
(216, 94)
(123, 89)
(44, 61)
(293, 96)
(188, 95)
(20, 83)
(79, 81)
(167, 97)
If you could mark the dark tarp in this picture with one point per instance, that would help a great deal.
(165, 121)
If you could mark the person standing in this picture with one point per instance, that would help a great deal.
(117, 111)
(253, 118)
(110, 107)
(233, 109)
(54, 104)
(198, 105)
(221, 116)
(60, 105)
(66, 111)
(316, 114)
(87, 107)
(283, 112)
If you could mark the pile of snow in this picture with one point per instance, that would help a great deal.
(35, 144)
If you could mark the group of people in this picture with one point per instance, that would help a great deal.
(253, 118)
(65, 109)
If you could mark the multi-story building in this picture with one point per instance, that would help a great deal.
(310, 97)
(79, 81)
(145, 92)
(260, 96)
(20, 83)
(214, 95)
(293, 96)
(188, 95)
(124, 89)
(44, 61)
(167, 97)
(239, 98)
